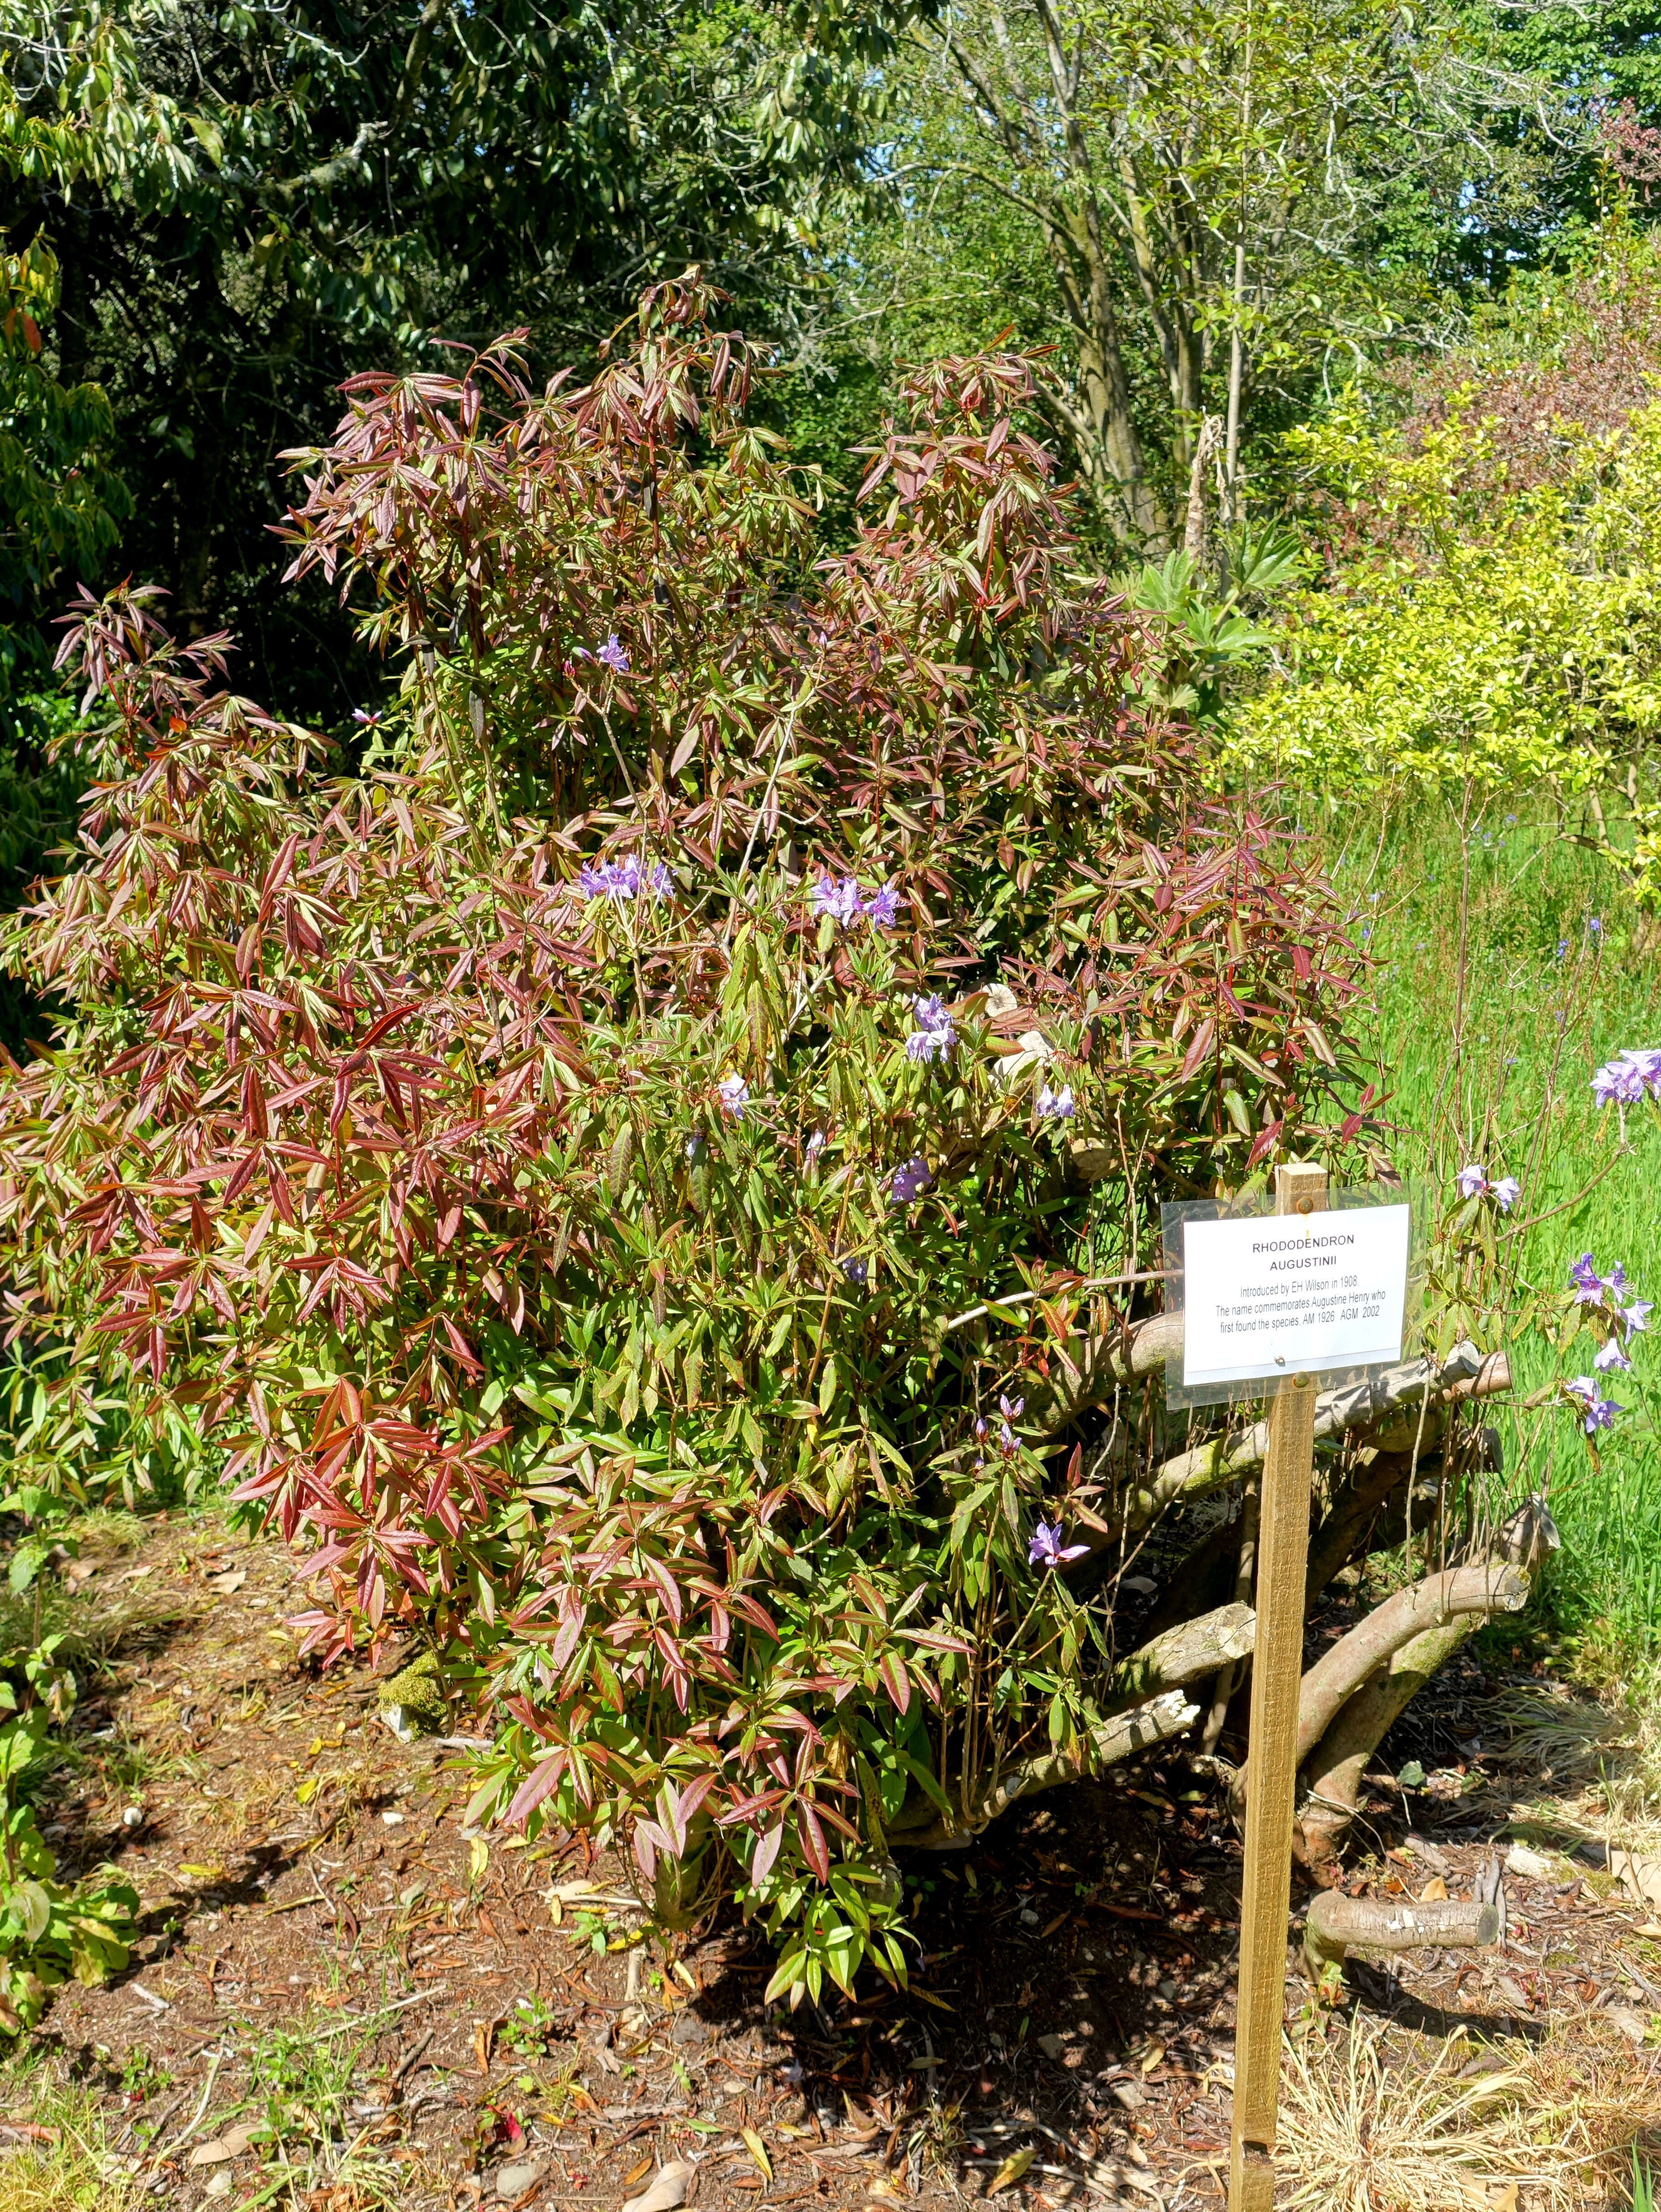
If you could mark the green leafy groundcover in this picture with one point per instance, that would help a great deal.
(557, 1167)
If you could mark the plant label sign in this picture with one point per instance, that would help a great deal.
(1291, 1294)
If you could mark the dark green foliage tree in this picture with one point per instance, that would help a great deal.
(248, 204)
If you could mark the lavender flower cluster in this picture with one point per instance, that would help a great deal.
(1620, 1318)
(841, 897)
(625, 879)
(1623, 1080)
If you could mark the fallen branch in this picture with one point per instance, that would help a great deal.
(1338, 1923)
(1187, 1653)
(1333, 1773)
(1334, 1766)
(1451, 1603)
(1369, 1405)
(1184, 1654)
(1457, 1592)
(1103, 1747)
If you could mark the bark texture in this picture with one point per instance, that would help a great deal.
(1337, 1924)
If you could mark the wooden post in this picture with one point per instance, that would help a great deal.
(1277, 1669)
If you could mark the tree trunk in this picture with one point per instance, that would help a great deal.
(1333, 1770)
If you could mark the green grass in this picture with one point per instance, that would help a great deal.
(1510, 964)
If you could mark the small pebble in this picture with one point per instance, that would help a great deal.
(396, 1821)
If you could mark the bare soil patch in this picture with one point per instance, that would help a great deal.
(350, 2001)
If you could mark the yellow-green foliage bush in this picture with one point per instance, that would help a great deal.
(1487, 631)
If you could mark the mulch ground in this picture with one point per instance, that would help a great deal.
(322, 1949)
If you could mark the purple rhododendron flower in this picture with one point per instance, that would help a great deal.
(363, 715)
(623, 879)
(734, 1096)
(1506, 1192)
(935, 1032)
(1056, 1105)
(910, 1177)
(1637, 1316)
(1011, 1408)
(1610, 1357)
(1047, 1549)
(613, 655)
(1589, 1285)
(857, 1273)
(1599, 1411)
(1620, 1081)
(1471, 1182)
(838, 896)
(816, 1143)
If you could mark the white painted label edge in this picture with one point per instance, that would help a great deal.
(1227, 1284)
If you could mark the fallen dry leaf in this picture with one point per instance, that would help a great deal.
(638, 2173)
(1638, 1877)
(213, 2153)
(1434, 1889)
(1491, 2196)
(1011, 2171)
(667, 2191)
(1648, 1928)
(225, 1584)
(1629, 2022)
(757, 2150)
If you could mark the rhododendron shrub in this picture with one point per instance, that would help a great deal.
(553, 1165)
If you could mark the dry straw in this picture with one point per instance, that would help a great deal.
(1360, 2135)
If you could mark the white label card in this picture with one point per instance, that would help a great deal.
(1289, 1294)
